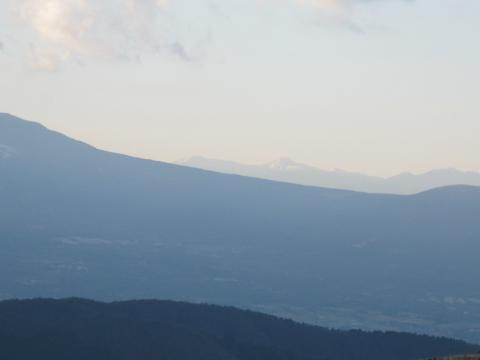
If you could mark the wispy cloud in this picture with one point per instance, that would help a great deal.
(328, 5)
(78, 30)
(336, 5)
(64, 31)
(340, 11)
(347, 14)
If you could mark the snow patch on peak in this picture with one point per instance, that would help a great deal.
(6, 151)
(284, 164)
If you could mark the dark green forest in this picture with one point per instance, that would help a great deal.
(143, 330)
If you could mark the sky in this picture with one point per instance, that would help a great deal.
(374, 86)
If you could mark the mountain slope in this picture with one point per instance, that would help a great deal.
(77, 221)
(296, 173)
(141, 330)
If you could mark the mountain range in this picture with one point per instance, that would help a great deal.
(79, 221)
(287, 170)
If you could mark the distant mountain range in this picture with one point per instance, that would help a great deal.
(76, 329)
(78, 221)
(287, 170)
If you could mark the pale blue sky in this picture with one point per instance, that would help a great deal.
(378, 86)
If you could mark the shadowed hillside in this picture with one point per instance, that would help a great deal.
(459, 357)
(141, 330)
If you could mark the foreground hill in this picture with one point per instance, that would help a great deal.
(140, 330)
(459, 357)
(296, 173)
(77, 221)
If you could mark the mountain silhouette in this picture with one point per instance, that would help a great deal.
(81, 329)
(78, 221)
(287, 170)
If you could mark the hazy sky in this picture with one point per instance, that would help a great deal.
(378, 86)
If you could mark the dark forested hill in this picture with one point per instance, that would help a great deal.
(459, 357)
(140, 330)
(78, 221)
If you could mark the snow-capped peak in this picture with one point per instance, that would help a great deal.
(284, 164)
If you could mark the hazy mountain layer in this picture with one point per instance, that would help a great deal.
(293, 172)
(77, 221)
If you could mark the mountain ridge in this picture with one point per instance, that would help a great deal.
(285, 169)
(78, 221)
(7, 117)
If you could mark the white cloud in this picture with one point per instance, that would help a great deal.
(340, 12)
(326, 4)
(79, 30)
(336, 7)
